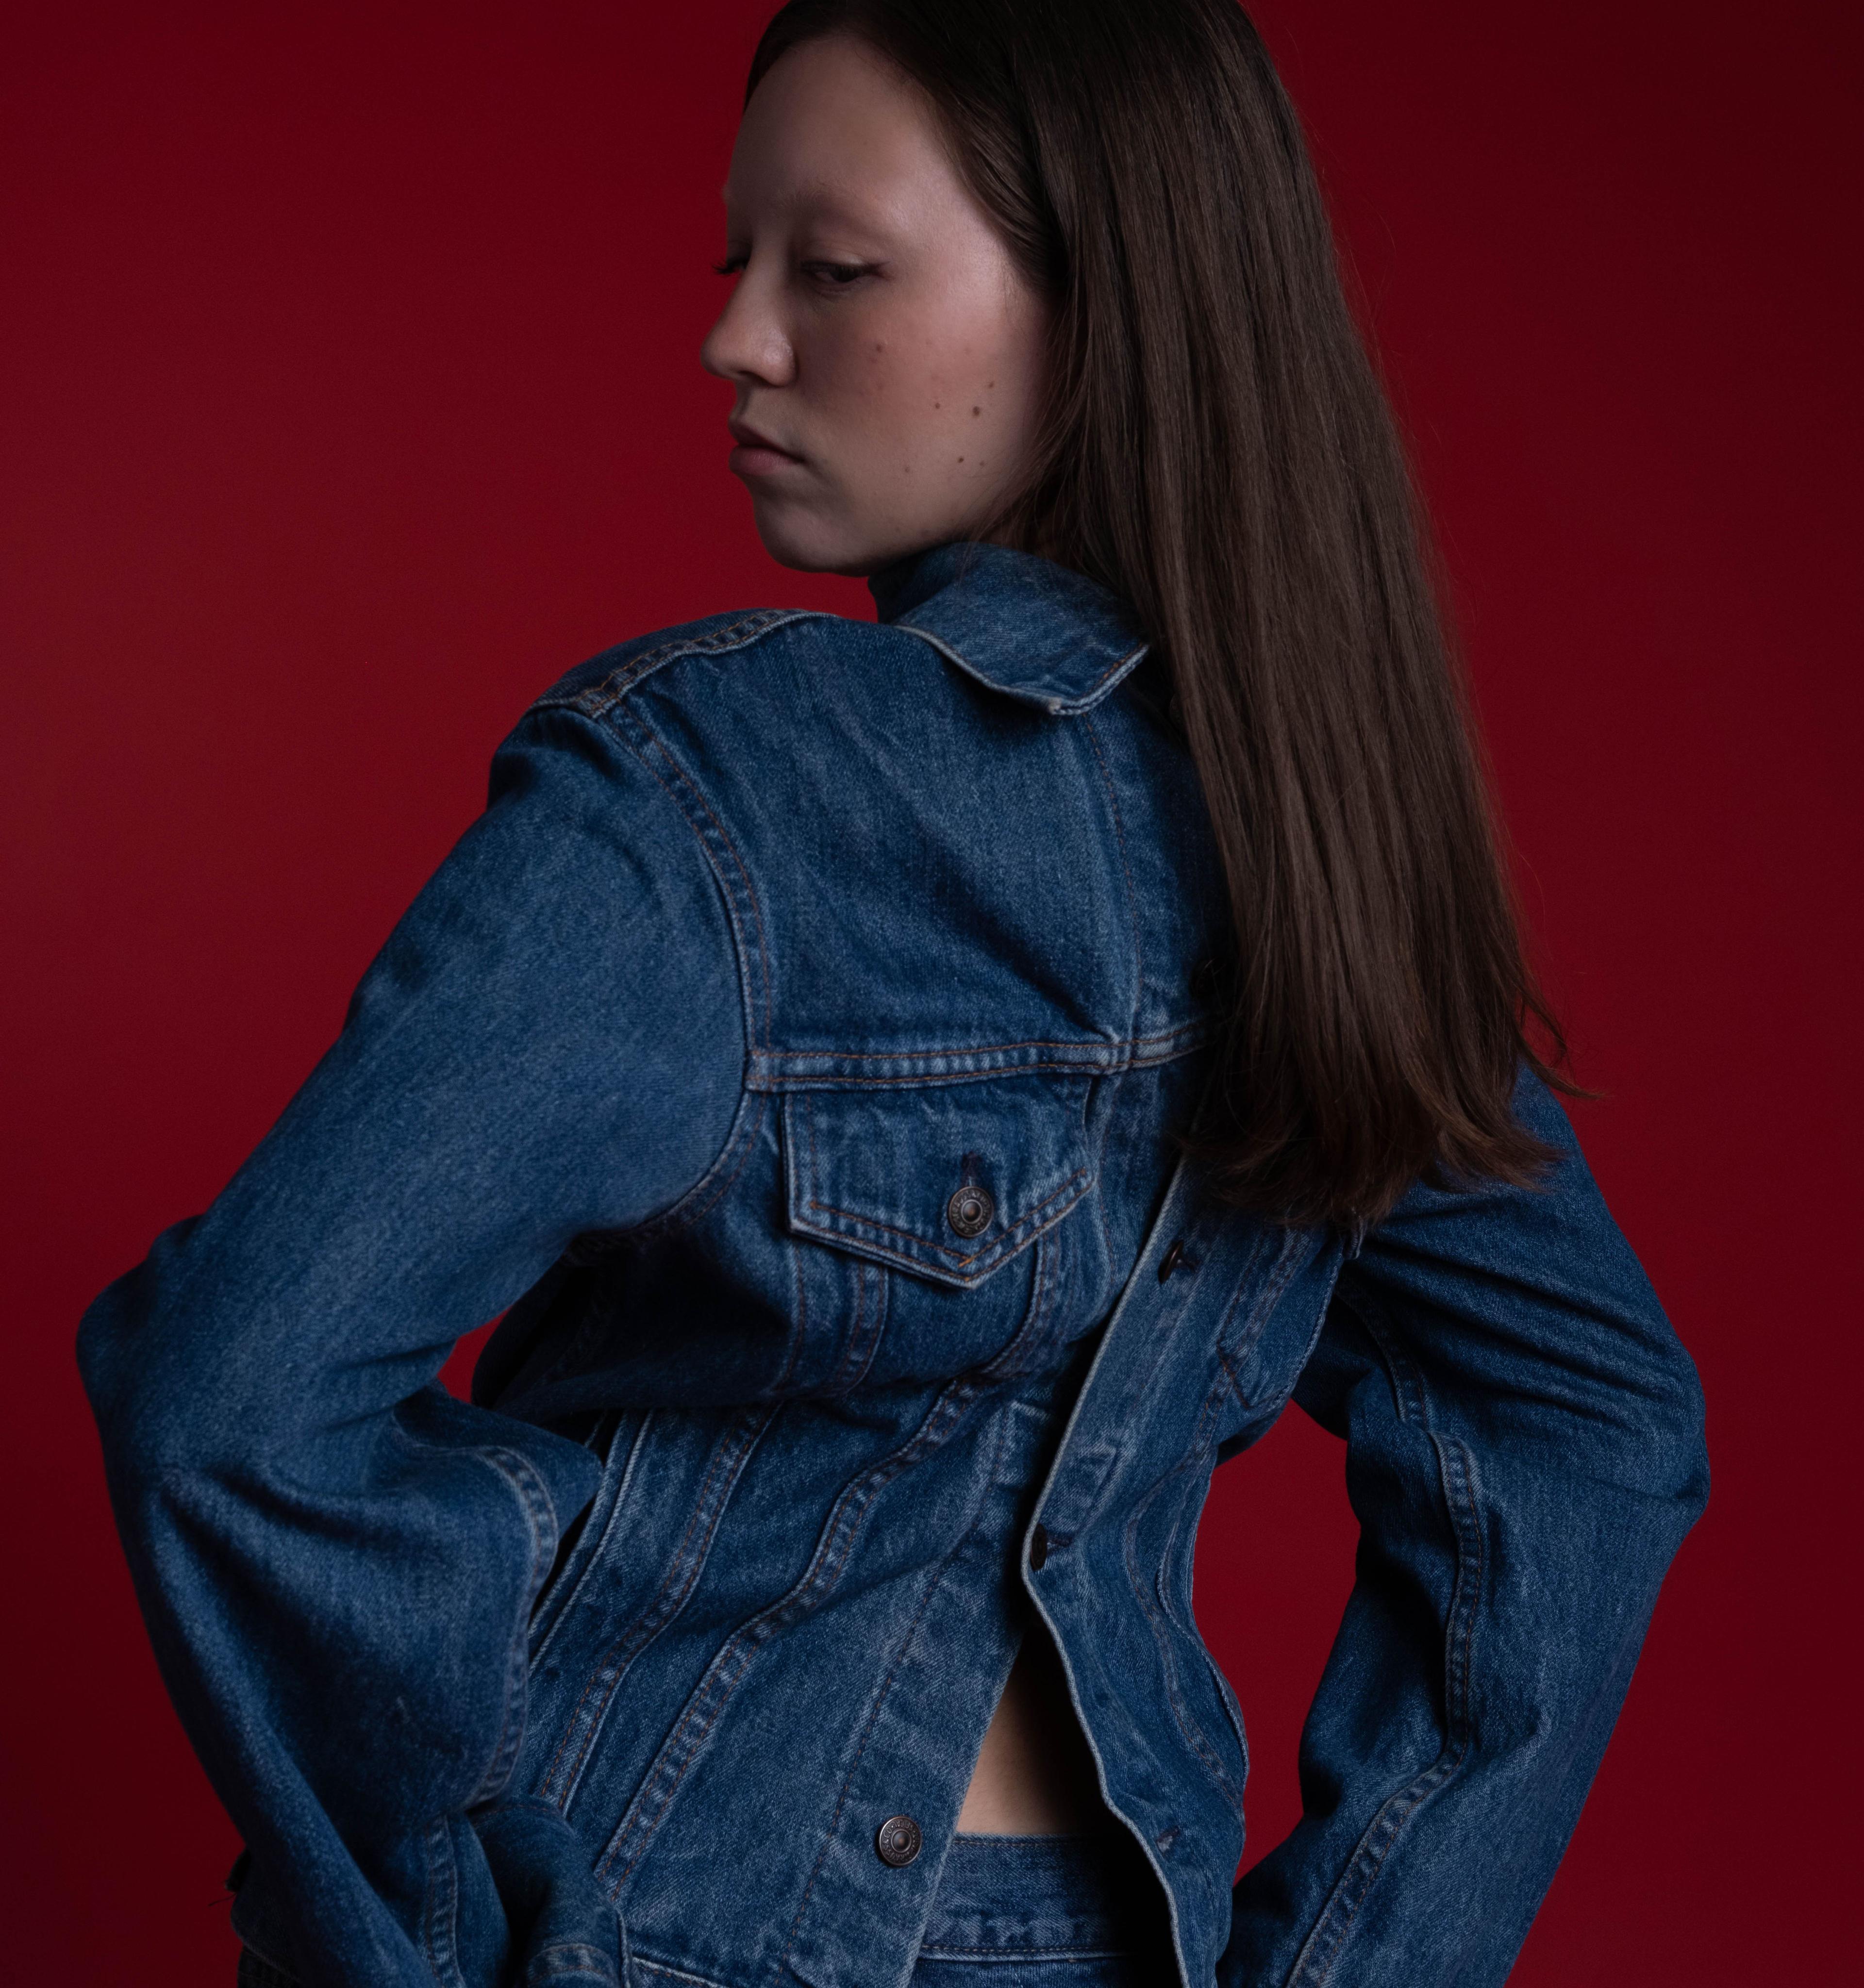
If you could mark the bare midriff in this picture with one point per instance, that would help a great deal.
(1034, 1775)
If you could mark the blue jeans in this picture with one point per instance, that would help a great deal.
(1045, 1911)
(1016, 1912)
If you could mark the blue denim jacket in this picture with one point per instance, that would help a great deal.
(795, 1052)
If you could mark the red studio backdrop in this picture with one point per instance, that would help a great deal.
(349, 393)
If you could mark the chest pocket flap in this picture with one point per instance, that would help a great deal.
(947, 1180)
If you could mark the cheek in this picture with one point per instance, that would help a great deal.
(945, 389)
(881, 368)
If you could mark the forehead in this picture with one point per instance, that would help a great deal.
(835, 130)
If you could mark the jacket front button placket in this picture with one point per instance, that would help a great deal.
(898, 1840)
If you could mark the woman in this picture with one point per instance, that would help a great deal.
(923, 1093)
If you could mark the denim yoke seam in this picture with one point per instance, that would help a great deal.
(1198, 1029)
(1321, 1951)
(561, 1778)
(834, 1546)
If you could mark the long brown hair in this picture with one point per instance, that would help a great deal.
(1218, 450)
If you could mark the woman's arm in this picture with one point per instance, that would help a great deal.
(337, 1560)
(1524, 1453)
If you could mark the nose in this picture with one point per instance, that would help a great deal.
(749, 342)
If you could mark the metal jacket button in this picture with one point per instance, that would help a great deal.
(1038, 1548)
(898, 1840)
(1170, 1259)
(969, 1211)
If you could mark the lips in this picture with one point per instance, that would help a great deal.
(750, 440)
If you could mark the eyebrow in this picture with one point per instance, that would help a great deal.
(827, 203)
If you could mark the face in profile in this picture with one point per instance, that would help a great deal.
(886, 352)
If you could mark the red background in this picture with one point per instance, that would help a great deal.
(351, 394)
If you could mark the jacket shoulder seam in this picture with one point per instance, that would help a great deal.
(597, 700)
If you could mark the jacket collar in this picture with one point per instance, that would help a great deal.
(1022, 625)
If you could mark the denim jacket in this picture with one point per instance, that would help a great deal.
(796, 1052)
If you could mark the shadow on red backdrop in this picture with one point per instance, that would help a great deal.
(351, 395)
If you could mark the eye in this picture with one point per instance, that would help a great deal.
(837, 275)
(733, 265)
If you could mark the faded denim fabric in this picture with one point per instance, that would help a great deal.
(794, 1053)
(1043, 1911)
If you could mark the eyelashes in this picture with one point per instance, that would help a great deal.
(829, 277)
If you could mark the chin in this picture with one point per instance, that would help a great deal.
(810, 544)
(816, 544)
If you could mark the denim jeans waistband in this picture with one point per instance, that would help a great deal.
(1073, 1896)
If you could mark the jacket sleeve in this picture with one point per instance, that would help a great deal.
(337, 1560)
(1524, 1453)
